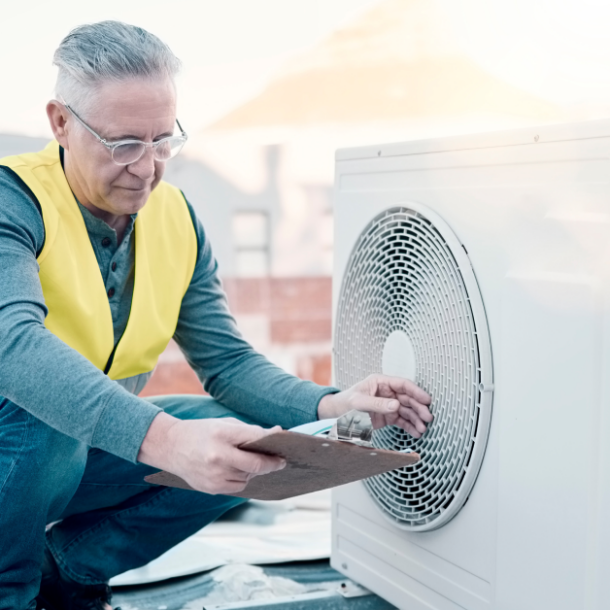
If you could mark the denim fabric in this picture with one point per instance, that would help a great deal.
(112, 520)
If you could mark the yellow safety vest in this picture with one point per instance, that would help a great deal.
(73, 288)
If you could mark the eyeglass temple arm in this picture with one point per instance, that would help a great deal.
(97, 136)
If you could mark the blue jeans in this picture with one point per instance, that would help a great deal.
(111, 519)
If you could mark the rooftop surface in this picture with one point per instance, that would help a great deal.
(292, 586)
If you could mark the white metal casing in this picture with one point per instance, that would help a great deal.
(532, 208)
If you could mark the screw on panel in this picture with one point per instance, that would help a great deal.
(536, 138)
(379, 153)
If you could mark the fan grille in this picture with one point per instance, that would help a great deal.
(404, 276)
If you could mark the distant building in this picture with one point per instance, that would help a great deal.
(12, 144)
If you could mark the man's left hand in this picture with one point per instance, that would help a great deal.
(389, 401)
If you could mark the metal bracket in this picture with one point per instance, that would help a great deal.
(353, 427)
(349, 588)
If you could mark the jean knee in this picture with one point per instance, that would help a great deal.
(191, 406)
(40, 468)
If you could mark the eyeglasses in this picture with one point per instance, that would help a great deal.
(125, 152)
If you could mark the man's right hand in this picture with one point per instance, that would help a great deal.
(205, 452)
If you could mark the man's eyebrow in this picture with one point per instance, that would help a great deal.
(130, 136)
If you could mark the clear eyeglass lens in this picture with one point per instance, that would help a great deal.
(127, 153)
(130, 152)
(174, 146)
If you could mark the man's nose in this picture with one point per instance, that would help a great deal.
(144, 167)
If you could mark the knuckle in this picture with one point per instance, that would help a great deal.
(256, 466)
(213, 458)
(379, 404)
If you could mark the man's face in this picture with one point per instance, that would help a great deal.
(139, 109)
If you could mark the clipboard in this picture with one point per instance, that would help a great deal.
(312, 463)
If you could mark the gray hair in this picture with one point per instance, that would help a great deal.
(108, 51)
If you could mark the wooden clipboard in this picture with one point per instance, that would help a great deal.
(313, 463)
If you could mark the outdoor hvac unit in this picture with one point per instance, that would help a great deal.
(479, 267)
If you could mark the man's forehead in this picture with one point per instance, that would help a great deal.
(135, 104)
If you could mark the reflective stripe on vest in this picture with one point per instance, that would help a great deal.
(73, 287)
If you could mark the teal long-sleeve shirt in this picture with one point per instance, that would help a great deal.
(41, 374)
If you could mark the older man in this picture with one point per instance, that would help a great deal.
(101, 264)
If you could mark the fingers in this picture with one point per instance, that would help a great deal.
(412, 418)
(248, 461)
(393, 401)
(413, 400)
(254, 463)
(230, 471)
(208, 456)
(409, 427)
(400, 386)
(422, 411)
(405, 419)
(237, 433)
(374, 404)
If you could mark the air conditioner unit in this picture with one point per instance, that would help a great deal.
(479, 267)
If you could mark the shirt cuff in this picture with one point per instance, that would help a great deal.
(123, 424)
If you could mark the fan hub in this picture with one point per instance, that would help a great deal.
(398, 357)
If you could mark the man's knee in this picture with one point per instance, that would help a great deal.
(38, 465)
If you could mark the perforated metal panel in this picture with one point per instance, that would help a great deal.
(410, 302)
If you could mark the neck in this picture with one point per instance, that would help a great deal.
(118, 223)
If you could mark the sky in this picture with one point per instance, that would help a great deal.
(229, 48)
(558, 49)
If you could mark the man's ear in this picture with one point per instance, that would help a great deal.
(58, 118)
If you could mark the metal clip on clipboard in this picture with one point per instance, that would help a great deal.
(353, 427)
(312, 463)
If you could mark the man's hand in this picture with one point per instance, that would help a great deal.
(389, 401)
(205, 452)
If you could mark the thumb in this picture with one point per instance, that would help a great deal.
(375, 404)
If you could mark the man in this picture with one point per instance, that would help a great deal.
(101, 264)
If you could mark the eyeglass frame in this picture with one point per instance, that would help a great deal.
(110, 146)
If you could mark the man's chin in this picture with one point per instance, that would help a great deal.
(132, 201)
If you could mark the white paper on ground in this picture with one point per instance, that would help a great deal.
(297, 529)
(246, 583)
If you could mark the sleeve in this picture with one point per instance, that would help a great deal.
(39, 372)
(230, 369)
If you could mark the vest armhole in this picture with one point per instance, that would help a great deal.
(189, 207)
(193, 221)
(14, 176)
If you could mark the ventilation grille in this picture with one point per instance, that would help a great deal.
(403, 275)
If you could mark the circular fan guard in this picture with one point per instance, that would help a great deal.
(408, 272)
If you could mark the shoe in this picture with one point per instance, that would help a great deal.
(57, 592)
